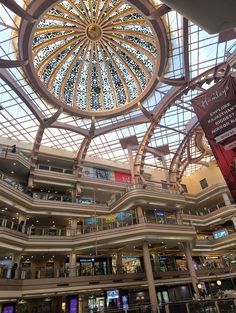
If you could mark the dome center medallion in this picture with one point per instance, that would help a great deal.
(94, 32)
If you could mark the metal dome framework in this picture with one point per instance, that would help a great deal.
(95, 61)
(96, 58)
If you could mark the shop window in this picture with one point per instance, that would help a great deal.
(184, 187)
(203, 183)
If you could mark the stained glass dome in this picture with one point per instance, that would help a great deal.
(96, 56)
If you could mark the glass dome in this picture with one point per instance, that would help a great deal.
(96, 56)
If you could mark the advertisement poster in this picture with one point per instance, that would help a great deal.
(122, 177)
(87, 171)
(101, 173)
(216, 111)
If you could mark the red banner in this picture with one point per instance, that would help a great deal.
(123, 177)
(216, 111)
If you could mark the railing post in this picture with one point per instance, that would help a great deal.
(167, 309)
(217, 307)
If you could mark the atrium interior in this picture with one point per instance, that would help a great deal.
(117, 156)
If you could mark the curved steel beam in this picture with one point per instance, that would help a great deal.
(12, 63)
(200, 144)
(76, 129)
(175, 93)
(34, 155)
(158, 112)
(175, 173)
(18, 10)
(186, 49)
(92, 127)
(53, 118)
(79, 163)
(172, 82)
(148, 114)
(159, 12)
(126, 123)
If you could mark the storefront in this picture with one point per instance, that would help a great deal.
(130, 264)
(166, 263)
(93, 266)
(96, 303)
(212, 262)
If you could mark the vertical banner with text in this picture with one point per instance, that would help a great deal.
(216, 112)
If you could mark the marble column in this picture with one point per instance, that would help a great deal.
(150, 278)
(191, 268)
(72, 264)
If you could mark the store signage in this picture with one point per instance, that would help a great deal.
(216, 111)
(86, 260)
(122, 177)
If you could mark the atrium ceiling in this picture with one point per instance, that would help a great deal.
(76, 74)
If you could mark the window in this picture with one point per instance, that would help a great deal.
(184, 187)
(203, 183)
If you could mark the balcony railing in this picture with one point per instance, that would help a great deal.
(97, 225)
(136, 271)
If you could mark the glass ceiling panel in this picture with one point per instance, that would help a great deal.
(62, 139)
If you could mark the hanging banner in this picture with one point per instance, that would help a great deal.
(122, 177)
(216, 111)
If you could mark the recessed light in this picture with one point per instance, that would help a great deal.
(14, 163)
(5, 209)
(48, 160)
(12, 172)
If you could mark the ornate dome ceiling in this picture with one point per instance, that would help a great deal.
(96, 56)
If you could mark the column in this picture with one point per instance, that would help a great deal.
(140, 215)
(234, 221)
(73, 226)
(179, 217)
(72, 264)
(150, 278)
(16, 260)
(119, 264)
(226, 198)
(84, 305)
(191, 268)
(22, 222)
(131, 162)
(155, 261)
